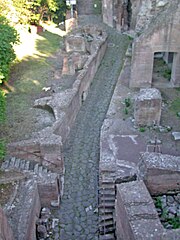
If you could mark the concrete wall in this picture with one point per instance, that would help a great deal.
(162, 36)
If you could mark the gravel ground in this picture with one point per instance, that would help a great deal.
(78, 212)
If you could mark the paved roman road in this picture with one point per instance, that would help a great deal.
(78, 212)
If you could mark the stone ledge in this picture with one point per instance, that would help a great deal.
(136, 214)
(160, 172)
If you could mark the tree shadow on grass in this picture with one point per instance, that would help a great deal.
(33, 71)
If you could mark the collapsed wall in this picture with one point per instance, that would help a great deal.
(128, 15)
(136, 216)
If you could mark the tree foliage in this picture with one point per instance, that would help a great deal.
(8, 37)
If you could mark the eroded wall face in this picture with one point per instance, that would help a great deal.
(107, 12)
(160, 37)
(85, 7)
(5, 230)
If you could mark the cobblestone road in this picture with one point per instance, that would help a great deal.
(78, 212)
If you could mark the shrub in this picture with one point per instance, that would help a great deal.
(8, 37)
(2, 120)
(2, 106)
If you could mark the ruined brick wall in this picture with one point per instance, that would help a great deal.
(85, 7)
(162, 35)
(107, 12)
(5, 230)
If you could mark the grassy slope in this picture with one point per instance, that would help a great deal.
(28, 76)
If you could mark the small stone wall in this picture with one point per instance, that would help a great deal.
(147, 107)
(136, 216)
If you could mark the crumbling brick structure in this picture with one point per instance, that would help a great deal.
(162, 35)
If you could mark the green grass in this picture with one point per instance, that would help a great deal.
(175, 106)
(162, 69)
(28, 76)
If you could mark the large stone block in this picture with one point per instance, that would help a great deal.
(147, 107)
(136, 216)
(75, 43)
(160, 172)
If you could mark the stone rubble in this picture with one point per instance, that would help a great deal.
(168, 208)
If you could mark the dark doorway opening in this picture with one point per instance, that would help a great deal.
(162, 69)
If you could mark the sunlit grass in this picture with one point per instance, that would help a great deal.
(29, 74)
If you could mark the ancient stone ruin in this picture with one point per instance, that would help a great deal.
(139, 151)
(147, 108)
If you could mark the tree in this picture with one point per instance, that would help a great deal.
(23, 10)
(8, 37)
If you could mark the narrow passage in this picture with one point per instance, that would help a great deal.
(78, 211)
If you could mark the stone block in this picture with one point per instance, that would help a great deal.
(47, 193)
(68, 66)
(160, 172)
(75, 43)
(78, 59)
(147, 107)
(146, 229)
(171, 234)
(29, 205)
(136, 216)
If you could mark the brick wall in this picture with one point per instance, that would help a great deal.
(85, 7)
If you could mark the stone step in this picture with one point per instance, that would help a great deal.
(107, 195)
(107, 205)
(21, 164)
(106, 217)
(107, 223)
(107, 181)
(105, 210)
(107, 186)
(107, 237)
(106, 230)
(107, 200)
(12, 162)
(5, 165)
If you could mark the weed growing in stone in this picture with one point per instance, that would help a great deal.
(142, 129)
(167, 208)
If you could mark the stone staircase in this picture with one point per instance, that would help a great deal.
(13, 163)
(106, 208)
